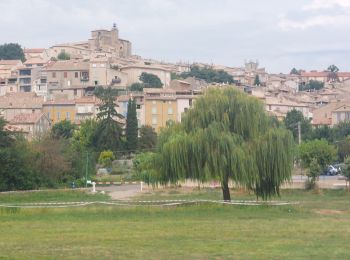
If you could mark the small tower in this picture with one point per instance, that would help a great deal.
(114, 34)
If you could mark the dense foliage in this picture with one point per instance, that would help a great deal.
(320, 150)
(63, 56)
(150, 80)
(291, 121)
(108, 132)
(63, 129)
(148, 138)
(311, 85)
(226, 136)
(209, 75)
(11, 51)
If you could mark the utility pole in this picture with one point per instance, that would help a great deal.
(299, 133)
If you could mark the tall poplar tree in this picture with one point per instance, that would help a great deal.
(226, 136)
(131, 127)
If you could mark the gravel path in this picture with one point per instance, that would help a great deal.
(121, 192)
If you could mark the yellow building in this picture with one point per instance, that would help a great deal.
(160, 107)
(58, 111)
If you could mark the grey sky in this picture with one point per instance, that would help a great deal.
(281, 34)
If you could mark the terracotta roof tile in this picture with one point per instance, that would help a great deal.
(26, 118)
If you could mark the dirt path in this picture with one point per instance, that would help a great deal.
(121, 192)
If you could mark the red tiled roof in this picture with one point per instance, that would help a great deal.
(314, 74)
(9, 62)
(34, 50)
(23, 100)
(60, 102)
(28, 118)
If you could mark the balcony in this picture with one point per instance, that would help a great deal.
(84, 78)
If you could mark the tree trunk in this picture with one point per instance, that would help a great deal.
(226, 191)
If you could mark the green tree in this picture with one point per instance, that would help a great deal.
(148, 138)
(311, 85)
(322, 132)
(83, 137)
(341, 131)
(257, 80)
(52, 161)
(106, 158)
(333, 68)
(319, 150)
(108, 131)
(11, 51)
(291, 122)
(226, 136)
(136, 87)
(343, 148)
(209, 75)
(150, 80)
(346, 172)
(131, 127)
(63, 129)
(16, 171)
(174, 75)
(314, 172)
(333, 73)
(294, 71)
(63, 56)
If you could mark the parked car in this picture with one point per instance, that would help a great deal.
(339, 167)
(331, 170)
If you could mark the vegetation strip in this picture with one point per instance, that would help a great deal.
(144, 203)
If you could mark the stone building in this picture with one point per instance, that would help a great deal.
(106, 41)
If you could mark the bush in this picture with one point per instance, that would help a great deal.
(106, 158)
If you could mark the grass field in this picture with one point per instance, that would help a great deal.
(317, 228)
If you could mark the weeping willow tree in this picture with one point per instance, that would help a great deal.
(226, 136)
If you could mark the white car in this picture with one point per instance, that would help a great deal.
(331, 170)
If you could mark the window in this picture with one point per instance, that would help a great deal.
(58, 115)
(347, 116)
(54, 74)
(76, 74)
(154, 110)
(75, 92)
(65, 74)
(11, 89)
(170, 111)
(138, 106)
(67, 115)
(154, 120)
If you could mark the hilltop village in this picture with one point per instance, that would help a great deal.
(58, 83)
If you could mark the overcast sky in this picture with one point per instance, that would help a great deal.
(281, 34)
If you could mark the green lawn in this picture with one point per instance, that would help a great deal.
(317, 228)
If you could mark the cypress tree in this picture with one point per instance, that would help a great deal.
(131, 126)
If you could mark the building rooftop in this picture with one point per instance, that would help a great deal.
(68, 65)
(34, 50)
(24, 100)
(10, 62)
(26, 118)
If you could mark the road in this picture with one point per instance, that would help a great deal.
(120, 192)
